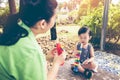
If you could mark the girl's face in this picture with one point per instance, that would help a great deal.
(84, 38)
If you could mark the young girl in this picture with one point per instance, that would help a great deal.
(86, 57)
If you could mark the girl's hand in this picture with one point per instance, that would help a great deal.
(86, 61)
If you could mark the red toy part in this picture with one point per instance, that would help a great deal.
(59, 49)
(77, 55)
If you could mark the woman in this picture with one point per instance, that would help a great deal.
(21, 58)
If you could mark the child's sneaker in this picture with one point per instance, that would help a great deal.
(75, 69)
(88, 74)
(95, 70)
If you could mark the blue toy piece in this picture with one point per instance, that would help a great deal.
(75, 69)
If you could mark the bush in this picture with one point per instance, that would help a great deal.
(113, 29)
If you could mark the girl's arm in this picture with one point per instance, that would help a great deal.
(91, 54)
(53, 72)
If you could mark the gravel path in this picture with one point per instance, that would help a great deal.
(108, 62)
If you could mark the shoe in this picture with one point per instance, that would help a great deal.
(75, 69)
(87, 74)
(95, 70)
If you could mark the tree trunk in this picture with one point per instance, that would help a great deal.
(12, 6)
(105, 23)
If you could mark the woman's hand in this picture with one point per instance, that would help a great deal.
(59, 59)
(53, 56)
(50, 55)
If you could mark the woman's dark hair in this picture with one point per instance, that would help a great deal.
(83, 30)
(30, 12)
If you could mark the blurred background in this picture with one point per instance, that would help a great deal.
(103, 18)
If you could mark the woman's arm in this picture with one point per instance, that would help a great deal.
(53, 72)
(58, 60)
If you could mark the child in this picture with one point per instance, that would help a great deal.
(86, 58)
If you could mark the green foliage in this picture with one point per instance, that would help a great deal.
(113, 29)
(86, 7)
(3, 15)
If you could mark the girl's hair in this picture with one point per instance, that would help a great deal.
(83, 30)
(30, 12)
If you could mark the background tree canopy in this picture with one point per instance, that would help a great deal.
(93, 18)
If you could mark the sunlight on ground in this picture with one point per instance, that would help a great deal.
(72, 32)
